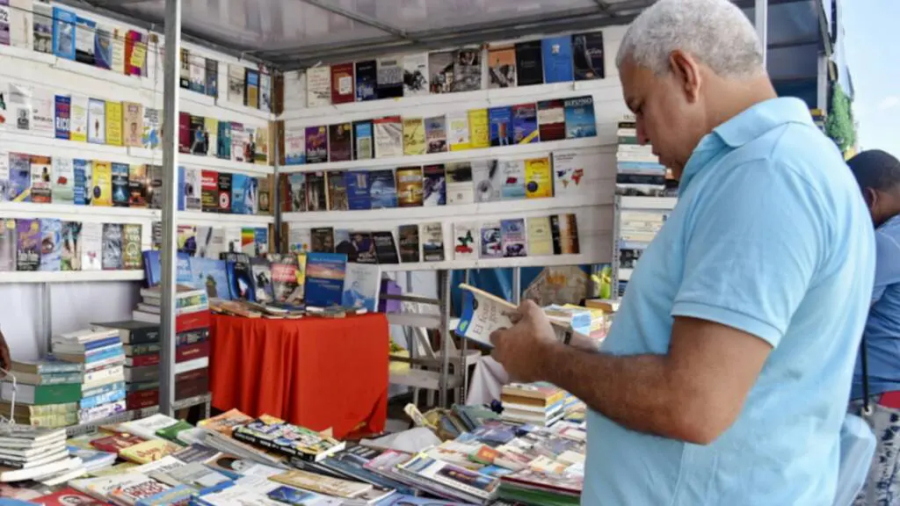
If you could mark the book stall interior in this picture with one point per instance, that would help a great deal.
(252, 252)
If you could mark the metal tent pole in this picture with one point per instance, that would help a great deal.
(517, 285)
(170, 207)
(444, 285)
(761, 11)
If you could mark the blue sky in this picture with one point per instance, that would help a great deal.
(873, 54)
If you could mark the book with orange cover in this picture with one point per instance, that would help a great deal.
(148, 451)
(226, 422)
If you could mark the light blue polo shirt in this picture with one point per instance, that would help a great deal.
(770, 236)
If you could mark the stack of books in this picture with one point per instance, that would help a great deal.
(539, 404)
(46, 393)
(141, 371)
(99, 350)
(192, 320)
(36, 453)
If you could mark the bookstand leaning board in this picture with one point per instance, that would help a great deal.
(496, 230)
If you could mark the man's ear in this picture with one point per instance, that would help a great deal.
(871, 197)
(687, 73)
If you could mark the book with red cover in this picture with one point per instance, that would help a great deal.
(342, 88)
(133, 38)
(116, 442)
(191, 351)
(209, 191)
(142, 360)
(67, 497)
(184, 132)
(192, 321)
(142, 399)
(551, 117)
(192, 383)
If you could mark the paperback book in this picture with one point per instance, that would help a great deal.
(382, 189)
(487, 180)
(501, 67)
(433, 242)
(580, 121)
(366, 80)
(434, 187)
(529, 64)
(465, 241)
(390, 78)
(459, 183)
(440, 70)
(409, 186)
(316, 144)
(415, 74)
(556, 53)
(363, 141)
(340, 142)
(388, 137)
(337, 191)
(413, 137)
(409, 243)
(525, 124)
(436, 134)
(588, 56)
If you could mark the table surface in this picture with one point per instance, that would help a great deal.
(319, 373)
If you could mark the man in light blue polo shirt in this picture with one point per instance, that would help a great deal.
(725, 375)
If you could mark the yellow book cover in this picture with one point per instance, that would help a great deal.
(101, 190)
(479, 131)
(114, 135)
(458, 131)
(211, 125)
(540, 236)
(261, 145)
(538, 178)
(413, 136)
(148, 451)
(301, 269)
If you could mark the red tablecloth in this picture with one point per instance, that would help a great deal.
(315, 372)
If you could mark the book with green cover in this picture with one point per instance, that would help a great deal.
(40, 395)
(171, 432)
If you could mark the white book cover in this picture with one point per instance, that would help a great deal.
(21, 24)
(458, 130)
(465, 240)
(43, 104)
(568, 173)
(41, 175)
(192, 188)
(118, 51)
(210, 242)
(147, 427)
(96, 121)
(232, 239)
(362, 283)
(388, 137)
(78, 118)
(486, 180)
(236, 86)
(265, 92)
(318, 86)
(460, 188)
(91, 246)
(294, 145)
(19, 106)
(197, 72)
(84, 39)
(62, 183)
(239, 140)
(299, 240)
(415, 74)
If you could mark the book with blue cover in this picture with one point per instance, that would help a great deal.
(83, 182)
(64, 22)
(96, 400)
(153, 269)
(120, 190)
(63, 111)
(557, 55)
(103, 46)
(363, 147)
(51, 244)
(382, 189)
(212, 275)
(362, 283)
(366, 80)
(500, 120)
(240, 279)
(238, 193)
(580, 121)
(19, 178)
(357, 183)
(525, 124)
(325, 274)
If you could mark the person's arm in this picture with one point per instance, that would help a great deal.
(5, 360)
(748, 260)
(887, 264)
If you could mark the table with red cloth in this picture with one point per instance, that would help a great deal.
(319, 373)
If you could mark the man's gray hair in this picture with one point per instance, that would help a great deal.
(715, 32)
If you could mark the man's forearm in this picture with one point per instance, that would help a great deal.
(630, 390)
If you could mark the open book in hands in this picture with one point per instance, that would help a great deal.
(483, 313)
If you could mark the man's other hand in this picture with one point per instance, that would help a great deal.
(520, 348)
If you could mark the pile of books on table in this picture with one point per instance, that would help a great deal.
(46, 393)
(141, 346)
(100, 353)
(36, 453)
(540, 404)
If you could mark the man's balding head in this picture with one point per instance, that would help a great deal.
(687, 66)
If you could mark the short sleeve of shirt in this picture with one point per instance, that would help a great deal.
(751, 250)
(887, 263)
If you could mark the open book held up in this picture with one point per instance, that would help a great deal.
(483, 313)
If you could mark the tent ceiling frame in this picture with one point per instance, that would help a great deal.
(360, 18)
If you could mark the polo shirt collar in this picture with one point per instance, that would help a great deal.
(746, 126)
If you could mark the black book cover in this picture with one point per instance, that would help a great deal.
(224, 192)
(588, 56)
(345, 246)
(192, 337)
(366, 80)
(364, 248)
(385, 249)
(316, 192)
(134, 332)
(322, 240)
(240, 278)
(409, 243)
(199, 137)
(529, 63)
(340, 142)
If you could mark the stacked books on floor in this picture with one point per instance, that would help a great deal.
(47, 393)
(540, 404)
(99, 352)
(142, 372)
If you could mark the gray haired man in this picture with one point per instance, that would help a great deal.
(724, 377)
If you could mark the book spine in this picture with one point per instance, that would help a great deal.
(57, 367)
(92, 402)
(105, 389)
(141, 349)
(191, 351)
(142, 399)
(144, 360)
(102, 374)
(100, 412)
(101, 355)
(57, 379)
(147, 335)
(112, 360)
(193, 336)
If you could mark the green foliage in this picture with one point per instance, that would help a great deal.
(839, 125)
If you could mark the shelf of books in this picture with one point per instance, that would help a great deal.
(647, 194)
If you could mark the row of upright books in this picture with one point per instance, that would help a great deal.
(212, 191)
(577, 57)
(51, 245)
(516, 237)
(393, 136)
(435, 185)
(237, 459)
(639, 174)
(228, 140)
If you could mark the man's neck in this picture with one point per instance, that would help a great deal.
(733, 97)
